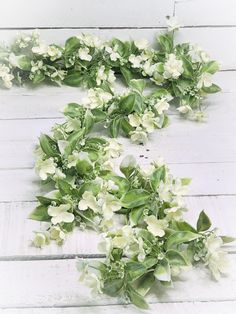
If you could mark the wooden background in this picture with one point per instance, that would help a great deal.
(46, 281)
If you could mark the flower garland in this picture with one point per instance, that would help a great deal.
(138, 211)
(184, 70)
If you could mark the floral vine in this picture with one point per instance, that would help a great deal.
(139, 212)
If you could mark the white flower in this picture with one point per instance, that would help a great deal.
(114, 149)
(205, 80)
(101, 75)
(84, 54)
(89, 201)
(114, 56)
(109, 204)
(216, 259)
(138, 136)
(197, 54)
(173, 24)
(178, 188)
(149, 68)
(57, 234)
(41, 49)
(135, 61)
(6, 76)
(90, 40)
(75, 157)
(134, 119)
(45, 167)
(123, 237)
(96, 98)
(184, 109)
(164, 192)
(141, 43)
(161, 105)
(53, 52)
(156, 226)
(36, 66)
(59, 174)
(173, 67)
(60, 214)
(173, 213)
(111, 76)
(93, 282)
(149, 121)
(40, 239)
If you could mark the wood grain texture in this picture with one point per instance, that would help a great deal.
(14, 216)
(206, 13)
(89, 13)
(55, 283)
(220, 307)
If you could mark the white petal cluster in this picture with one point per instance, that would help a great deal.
(60, 214)
(84, 54)
(173, 67)
(96, 98)
(44, 168)
(104, 75)
(6, 76)
(197, 54)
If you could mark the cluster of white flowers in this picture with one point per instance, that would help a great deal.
(96, 98)
(51, 51)
(6, 76)
(173, 67)
(104, 75)
(197, 54)
(90, 40)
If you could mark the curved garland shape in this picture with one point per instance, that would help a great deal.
(184, 70)
(140, 211)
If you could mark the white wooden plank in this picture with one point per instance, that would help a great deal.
(13, 218)
(206, 12)
(47, 101)
(89, 13)
(218, 307)
(208, 179)
(55, 283)
(207, 38)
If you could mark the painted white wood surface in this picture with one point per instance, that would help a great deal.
(14, 216)
(89, 13)
(204, 151)
(160, 308)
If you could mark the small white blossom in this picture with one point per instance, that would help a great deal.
(156, 226)
(109, 204)
(197, 54)
(141, 43)
(41, 49)
(134, 119)
(89, 201)
(45, 167)
(114, 56)
(90, 40)
(6, 76)
(135, 61)
(138, 136)
(149, 121)
(184, 109)
(96, 98)
(205, 80)
(57, 234)
(164, 192)
(60, 214)
(53, 52)
(40, 239)
(162, 105)
(173, 67)
(114, 149)
(148, 68)
(173, 24)
(84, 54)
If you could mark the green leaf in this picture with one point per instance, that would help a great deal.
(114, 126)
(138, 85)
(24, 63)
(122, 183)
(72, 44)
(126, 105)
(38, 78)
(84, 167)
(128, 165)
(64, 187)
(166, 42)
(203, 222)
(227, 239)
(212, 89)
(99, 115)
(149, 262)
(74, 78)
(40, 213)
(136, 215)
(157, 176)
(88, 121)
(73, 110)
(144, 284)
(73, 139)
(136, 298)
(186, 181)
(112, 287)
(49, 146)
(184, 226)
(135, 198)
(188, 68)
(127, 74)
(211, 67)
(135, 270)
(179, 237)
(125, 126)
(162, 271)
(175, 258)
